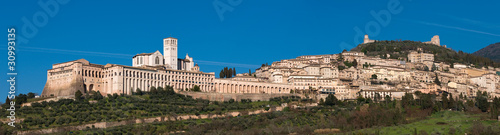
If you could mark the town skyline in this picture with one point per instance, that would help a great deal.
(118, 50)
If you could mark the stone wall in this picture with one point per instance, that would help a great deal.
(235, 96)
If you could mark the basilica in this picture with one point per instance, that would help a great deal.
(147, 70)
(168, 60)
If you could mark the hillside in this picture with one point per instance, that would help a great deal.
(97, 108)
(400, 50)
(491, 51)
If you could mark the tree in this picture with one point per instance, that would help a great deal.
(234, 71)
(407, 100)
(364, 51)
(221, 74)
(433, 68)
(482, 101)
(229, 73)
(444, 100)
(426, 68)
(249, 72)
(31, 95)
(436, 80)
(452, 103)
(321, 101)
(340, 58)
(495, 108)
(159, 89)
(7, 103)
(331, 100)
(78, 95)
(97, 95)
(138, 91)
(387, 99)
(355, 63)
(377, 97)
(341, 67)
(360, 99)
(152, 90)
(196, 88)
(374, 76)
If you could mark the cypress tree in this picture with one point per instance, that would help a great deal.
(234, 71)
(221, 74)
(436, 80)
(444, 99)
(78, 95)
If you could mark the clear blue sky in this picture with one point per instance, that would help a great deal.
(247, 34)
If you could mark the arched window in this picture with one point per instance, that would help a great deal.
(157, 60)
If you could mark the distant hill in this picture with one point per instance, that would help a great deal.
(491, 51)
(400, 49)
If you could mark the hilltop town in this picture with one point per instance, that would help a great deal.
(350, 74)
(347, 75)
(373, 83)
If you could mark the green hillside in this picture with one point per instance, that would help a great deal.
(491, 51)
(400, 50)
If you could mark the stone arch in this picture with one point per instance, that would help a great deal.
(91, 88)
(157, 60)
(84, 88)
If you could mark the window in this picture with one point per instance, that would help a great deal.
(157, 60)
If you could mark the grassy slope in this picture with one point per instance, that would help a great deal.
(458, 120)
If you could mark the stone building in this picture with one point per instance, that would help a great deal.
(147, 70)
(65, 79)
(394, 94)
(416, 57)
(239, 86)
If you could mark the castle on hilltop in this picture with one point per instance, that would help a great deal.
(434, 40)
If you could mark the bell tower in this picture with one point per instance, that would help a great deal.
(170, 52)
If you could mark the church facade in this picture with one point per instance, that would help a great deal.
(147, 70)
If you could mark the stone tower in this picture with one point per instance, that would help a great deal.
(367, 40)
(170, 52)
(435, 40)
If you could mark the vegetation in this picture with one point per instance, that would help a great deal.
(490, 51)
(400, 50)
(423, 113)
(96, 108)
(196, 88)
(227, 72)
(445, 122)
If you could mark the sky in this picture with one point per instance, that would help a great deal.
(217, 33)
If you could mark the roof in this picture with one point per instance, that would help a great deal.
(79, 60)
(142, 54)
(171, 38)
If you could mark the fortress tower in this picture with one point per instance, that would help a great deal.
(434, 40)
(170, 52)
(367, 40)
